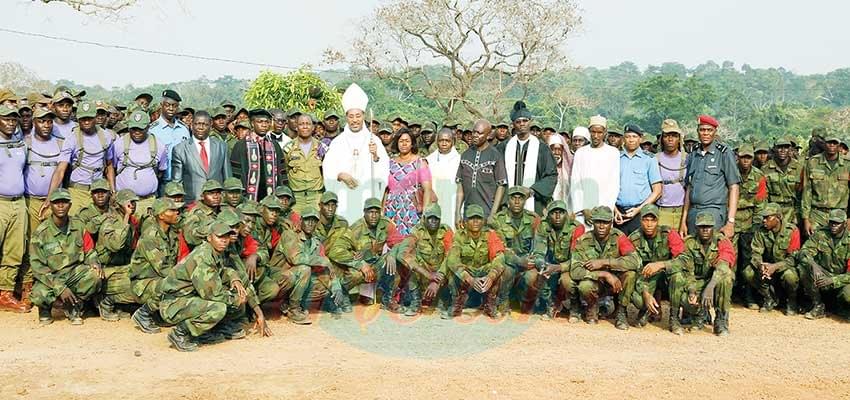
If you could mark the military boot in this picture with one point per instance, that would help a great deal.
(458, 303)
(675, 324)
(232, 330)
(299, 316)
(8, 302)
(592, 312)
(769, 302)
(791, 304)
(26, 290)
(74, 313)
(181, 339)
(749, 298)
(106, 308)
(345, 304)
(698, 320)
(818, 311)
(490, 308)
(575, 310)
(45, 317)
(721, 323)
(212, 336)
(415, 304)
(642, 318)
(621, 321)
(143, 318)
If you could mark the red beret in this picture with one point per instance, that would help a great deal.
(707, 120)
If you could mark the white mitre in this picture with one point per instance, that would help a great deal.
(354, 98)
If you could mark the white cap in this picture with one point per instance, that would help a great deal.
(581, 131)
(354, 98)
(598, 120)
(557, 139)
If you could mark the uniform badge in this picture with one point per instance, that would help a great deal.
(86, 107)
(137, 117)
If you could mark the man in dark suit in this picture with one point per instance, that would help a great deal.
(199, 159)
(257, 160)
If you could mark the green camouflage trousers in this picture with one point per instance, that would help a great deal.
(117, 286)
(147, 291)
(200, 315)
(82, 280)
(528, 284)
(789, 279)
(722, 291)
(589, 290)
(840, 293)
(275, 281)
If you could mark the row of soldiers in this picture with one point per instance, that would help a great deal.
(208, 269)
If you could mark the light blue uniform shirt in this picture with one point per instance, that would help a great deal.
(169, 136)
(637, 174)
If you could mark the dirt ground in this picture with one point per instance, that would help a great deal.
(374, 355)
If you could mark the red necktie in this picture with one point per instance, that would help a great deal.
(205, 160)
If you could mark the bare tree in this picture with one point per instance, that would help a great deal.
(465, 54)
(19, 78)
(95, 7)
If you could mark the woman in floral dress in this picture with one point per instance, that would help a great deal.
(409, 175)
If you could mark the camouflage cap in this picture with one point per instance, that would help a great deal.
(705, 219)
(145, 95)
(100, 184)
(164, 204)
(783, 141)
(310, 212)
(385, 129)
(329, 196)
(831, 136)
(433, 210)
(221, 229)
(211, 185)
(100, 105)
(249, 207)
(602, 213)
(244, 124)
(61, 96)
(174, 189)
(42, 112)
(271, 202)
(770, 209)
(761, 145)
(557, 205)
(7, 110)
(138, 119)
(218, 111)
(517, 190)
(371, 203)
(649, 209)
(86, 109)
(125, 196)
(229, 216)
(120, 127)
(227, 103)
(837, 215)
(281, 191)
(60, 194)
(293, 112)
(746, 149)
(6, 94)
(233, 185)
(475, 211)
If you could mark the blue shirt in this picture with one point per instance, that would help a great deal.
(637, 174)
(169, 136)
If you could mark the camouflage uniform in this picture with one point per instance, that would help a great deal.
(624, 261)
(784, 186)
(197, 222)
(90, 215)
(61, 258)
(832, 254)
(300, 268)
(362, 246)
(556, 247)
(771, 247)
(753, 192)
(330, 231)
(476, 258)
(699, 265)
(518, 235)
(422, 257)
(826, 186)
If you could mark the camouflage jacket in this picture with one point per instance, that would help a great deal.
(617, 246)
(484, 255)
(832, 254)
(825, 186)
(519, 240)
(665, 246)
(783, 187)
(115, 239)
(54, 252)
(771, 247)
(199, 275)
(425, 250)
(361, 245)
(330, 233)
(557, 246)
(753, 192)
(196, 223)
(91, 217)
(295, 248)
(156, 253)
(698, 262)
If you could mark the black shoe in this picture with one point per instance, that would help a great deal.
(45, 317)
(74, 313)
(181, 339)
(721, 323)
(621, 321)
(231, 330)
(144, 320)
(106, 308)
(642, 318)
(210, 337)
(791, 306)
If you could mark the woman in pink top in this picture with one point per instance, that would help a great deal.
(408, 175)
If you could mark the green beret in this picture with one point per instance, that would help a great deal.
(100, 184)
(138, 119)
(837, 215)
(705, 219)
(770, 209)
(164, 204)
(310, 212)
(7, 110)
(271, 202)
(86, 109)
(602, 213)
(221, 229)
(229, 216)
(517, 190)
(433, 210)
(233, 184)
(650, 209)
(281, 191)
(474, 211)
(125, 196)
(557, 205)
(249, 207)
(60, 194)
(329, 196)
(371, 203)
(174, 189)
(211, 185)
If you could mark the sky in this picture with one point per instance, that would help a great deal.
(804, 37)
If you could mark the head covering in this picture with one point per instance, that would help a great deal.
(233, 184)
(328, 196)
(164, 204)
(221, 229)
(309, 212)
(138, 119)
(632, 128)
(371, 203)
(60, 194)
(271, 202)
(520, 111)
(100, 184)
(746, 149)
(557, 205)
(597, 120)
(705, 218)
(517, 190)
(837, 215)
(171, 94)
(125, 196)
(211, 185)
(433, 210)
(474, 210)
(650, 209)
(602, 213)
(354, 98)
(582, 132)
(707, 120)
(770, 209)
(86, 109)
(174, 189)
(249, 207)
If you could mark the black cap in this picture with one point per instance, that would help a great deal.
(171, 95)
(259, 112)
(633, 128)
